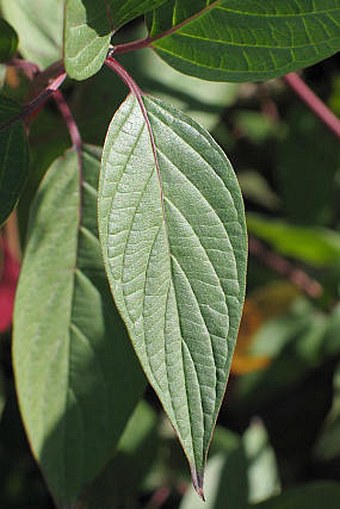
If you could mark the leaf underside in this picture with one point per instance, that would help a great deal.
(13, 158)
(174, 244)
(88, 29)
(76, 374)
(229, 40)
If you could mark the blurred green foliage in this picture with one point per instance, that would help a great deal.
(280, 424)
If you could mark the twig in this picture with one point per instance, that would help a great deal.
(29, 68)
(283, 267)
(147, 41)
(38, 101)
(69, 121)
(313, 102)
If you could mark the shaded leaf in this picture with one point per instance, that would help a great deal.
(229, 40)
(299, 168)
(8, 41)
(172, 230)
(88, 29)
(40, 28)
(120, 480)
(13, 157)
(312, 496)
(76, 375)
(328, 444)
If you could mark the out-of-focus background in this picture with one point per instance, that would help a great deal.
(279, 425)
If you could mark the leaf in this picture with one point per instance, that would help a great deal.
(327, 447)
(136, 452)
(229, 40)
(315, 245)
(88, 29)
(226, 475)
(172, 231)
(76, 376)
(310, 496)
(39, 25)
(8, 41)
(263, 475)
(13, 158)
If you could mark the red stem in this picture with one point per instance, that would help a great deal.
(313, 102)
(38, 101)
(147, 41)
(69, 121)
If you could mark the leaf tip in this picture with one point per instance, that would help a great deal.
(197, 482)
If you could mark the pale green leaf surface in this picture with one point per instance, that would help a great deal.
(76, 374)
(229, 40)
(310, 496)
(39, 25)
(174, 246)
(13, 158)
(88, 29)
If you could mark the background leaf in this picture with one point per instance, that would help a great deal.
(174, 247)
(312, 496)
(8, 41)
(315, 245)
(88, 29)
(119, 483)
(229, 40)
(13, 158)
(40, 28)
(76, 375)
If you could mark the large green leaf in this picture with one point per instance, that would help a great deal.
(40, 28)
(233, 40)
(88, 29)
(13, 157)
(312, 496)
(172, 230)
(77, 378)
(8, 41)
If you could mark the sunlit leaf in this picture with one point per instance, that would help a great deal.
(172, 230)
(233, 40)
(88, 29)
(40, 28)
(76, 375)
